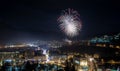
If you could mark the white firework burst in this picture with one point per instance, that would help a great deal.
(70, 22)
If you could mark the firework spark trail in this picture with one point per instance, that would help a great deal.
(70, 23)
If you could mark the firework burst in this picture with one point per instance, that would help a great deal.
(70, 23)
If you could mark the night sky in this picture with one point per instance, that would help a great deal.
(28, 20)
